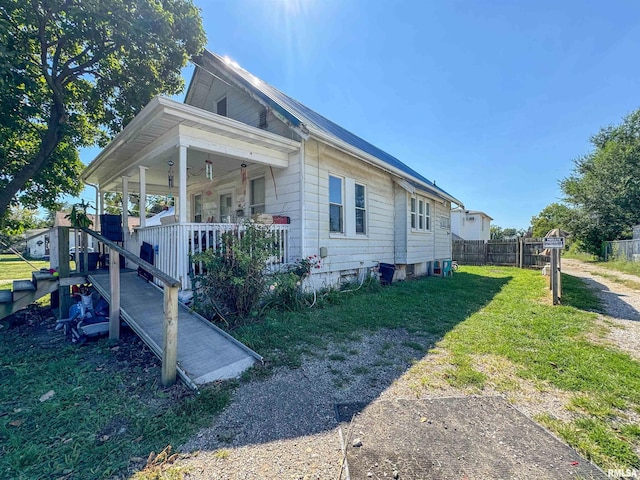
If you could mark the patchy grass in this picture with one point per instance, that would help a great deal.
(106, 412)
(616, 279)
(428, 305)
(632, 268)
(497, 313)
(585, 257)
(550, 344)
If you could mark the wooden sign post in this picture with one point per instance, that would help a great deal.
(555, 244)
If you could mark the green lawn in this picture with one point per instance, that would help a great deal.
(13, 267)
(482, 311)
(553, 345)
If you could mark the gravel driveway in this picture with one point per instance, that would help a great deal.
(620, 302)
(285, 427)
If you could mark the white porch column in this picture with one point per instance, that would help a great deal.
(142, 204)
(101, 195)
(182, 189)
(125, 211)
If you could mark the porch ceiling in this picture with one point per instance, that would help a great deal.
(154, 135)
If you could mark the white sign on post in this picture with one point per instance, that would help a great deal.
(553, 242)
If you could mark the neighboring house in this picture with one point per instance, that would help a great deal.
(471, 224)
(37, 242)
(238, 148)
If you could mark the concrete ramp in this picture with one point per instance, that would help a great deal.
(205, 352)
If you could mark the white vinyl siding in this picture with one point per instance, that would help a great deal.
(243, 108)
(442, 235)
(349, 250)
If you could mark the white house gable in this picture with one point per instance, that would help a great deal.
(222, 96)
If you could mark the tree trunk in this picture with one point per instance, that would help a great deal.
(48, 144)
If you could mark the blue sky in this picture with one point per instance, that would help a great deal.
(493, 100)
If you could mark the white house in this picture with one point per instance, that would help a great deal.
(470, 224)
(238, 147)
(37, 242)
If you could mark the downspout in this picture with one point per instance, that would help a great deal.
(302, 196)
(433, 227)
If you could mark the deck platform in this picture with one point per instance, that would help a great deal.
(205, 352)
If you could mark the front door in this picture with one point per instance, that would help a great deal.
(226, 215)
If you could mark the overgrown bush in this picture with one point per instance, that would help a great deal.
(285, 291)
(234, 272)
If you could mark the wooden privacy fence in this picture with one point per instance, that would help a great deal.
(518, 252)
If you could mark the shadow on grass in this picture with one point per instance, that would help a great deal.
(575, 295)
(348, 352)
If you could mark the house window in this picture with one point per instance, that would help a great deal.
(221, 107)
(413, 213)
(427, 216)
(420, 214)
(197, 208)
(262, 120)
(445, 222)
(256, 195)
(336, 207)
(361, 213)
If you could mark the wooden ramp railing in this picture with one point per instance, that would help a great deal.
(171, 287)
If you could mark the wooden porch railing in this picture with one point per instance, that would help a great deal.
(175, 243)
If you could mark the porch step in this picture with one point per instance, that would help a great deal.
(6, 296)
(26, 292)
(42, 275)
(23, 286)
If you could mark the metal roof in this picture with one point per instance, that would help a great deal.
(302, 118)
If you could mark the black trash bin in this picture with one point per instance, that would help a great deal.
(93, 261)
(386, 273)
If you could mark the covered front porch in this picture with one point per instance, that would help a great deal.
(216, 173)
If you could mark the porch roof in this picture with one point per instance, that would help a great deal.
(153, 136)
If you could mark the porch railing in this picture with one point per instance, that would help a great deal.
(173, 245)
